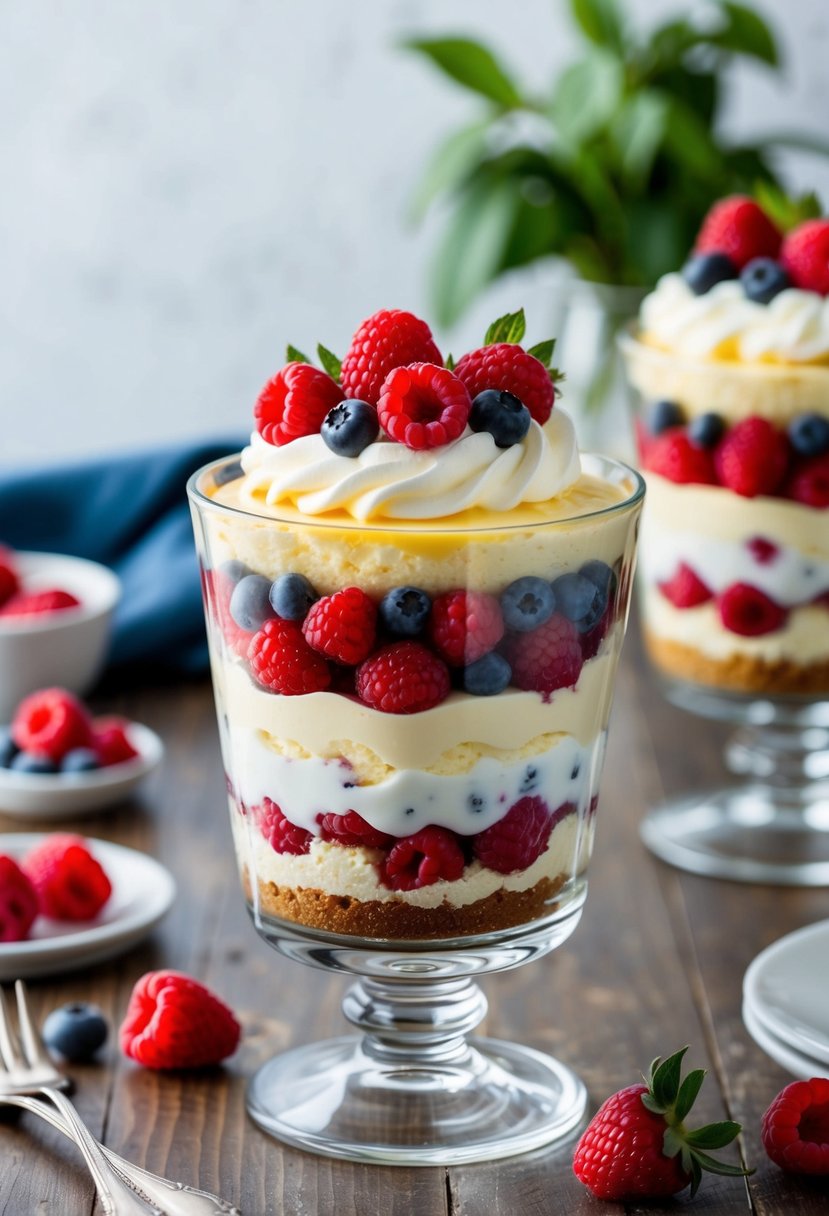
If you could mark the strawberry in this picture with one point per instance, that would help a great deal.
(637, 1146)
(805, 256)
(739, 228)
(173, 1021)
(795, 1128)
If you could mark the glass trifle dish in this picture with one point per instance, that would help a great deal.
(416, 592)
(730, 365)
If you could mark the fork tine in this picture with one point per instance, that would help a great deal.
(8, 1049)
(33, 1046)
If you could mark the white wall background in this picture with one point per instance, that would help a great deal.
(188, 184)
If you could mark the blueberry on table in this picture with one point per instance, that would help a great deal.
(580, 600)
(706, 431)
(502, 414)
(350, 427)
(75, 1031)
(662, 415)
(250, 604)
(704, 270)
(79, 760)
(487, 676)
(32, 762)
(404, 611)
(8, 747)
(527, 603)
(291, 595)
(763, 279)
(809, 434)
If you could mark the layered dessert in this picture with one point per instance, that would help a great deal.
(731, 366)
(416, 594)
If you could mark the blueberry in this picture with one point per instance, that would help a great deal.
(350, 427)
(602, 575)
(291, 595)
(75, 1031)
(704, 270)
(30, 762)
(79, 760)
(405, 610)
(502, 414)
(706, 431)
(580, 600)
(527, 603)
(234, 571)
(809, 434)
(250, 604)
(763, 279)
(8, 747)
(487, 676)
(663, 415)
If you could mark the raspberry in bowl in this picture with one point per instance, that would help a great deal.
(730, 367)
(55, 621)
(415, 603)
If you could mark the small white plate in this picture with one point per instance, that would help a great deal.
(142, 892)
(787, 989)
(799, 1065)
(36, 796)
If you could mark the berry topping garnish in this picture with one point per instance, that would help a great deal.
(739, 228)
(703, 271)
(763, 279)
(51, 722)
(342, 626)
(501, 415)
(281, 660)
(418, 861)
(71, 884)
(795, 1128)
(173, 1021)
(805, 256)
(423, 406)
(75, 1031)
(404, 678)
(350, 427)
(502, 364)
(250, 603)
(516, 840)
(465, 625)
(19, 901)
(637, 1145)
(294, 403)
(390, 338)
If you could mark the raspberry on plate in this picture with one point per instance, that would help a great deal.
(9, 578)
(404, 678)
(390, 338)
(352, 829)
(795, 1128)
(517, 840)
(432, 855)
(805, 256)
(173, 1021)
(752, 458)
(509, 368)
(672, 455)
(294, 403)
(548, 658)
(282, 835)
(19, 901)
(808, 482)
(739, 228)
(423, 406)
(110, 741)
(282, 660)
(39, 603)
(748, 611)
(465, 625)
(51, 722)
(685, 589)
(70, 883)
(342, 626)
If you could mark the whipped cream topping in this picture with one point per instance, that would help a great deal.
(390, 481)
(793, 328)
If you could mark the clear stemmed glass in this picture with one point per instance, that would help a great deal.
(413, 1087)
(772, 823)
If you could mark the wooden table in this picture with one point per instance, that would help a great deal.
(657, 962)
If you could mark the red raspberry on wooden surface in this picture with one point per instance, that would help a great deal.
(282, 835)
(39, 603)
(110, 741)
(352, 829)
(9, 578)
(748, 611)
(808, 482)
(432, 855)
(673, 456)
(548, 658)
(752, 458)
(173, 1021)
(390, 338)
(423, 406)
(685, 589)
(294, 403)
(404, 678)
(465, 625)
(517, 840)
(51, 722)
(342, 626)
(738, 227)
(795, 1128)
(281, 660)
(805, 256)
(19, 901)
(509, 368)
(71, 884)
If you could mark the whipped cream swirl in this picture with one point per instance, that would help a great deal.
(390, 481)
(793, 328)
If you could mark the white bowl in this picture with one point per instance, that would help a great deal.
(65, 649)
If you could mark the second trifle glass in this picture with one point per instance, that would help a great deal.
(422, 815)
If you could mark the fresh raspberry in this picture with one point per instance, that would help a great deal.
(805, 256)
(423, 406)
(808, 482)
(352, 829)
(294, 403)
(465, 625)
(763, 551)
(282, 660)
(110, 741)
(389, 339)
(431, 855)
(684, 589)
(672, 455)
(752, 458)
(9, 578)
(517, 840)
(282, 835)
(739, 228)
(748, 611)
(795, 1128)
(548, 658)
(404, 678)
(624, 1153)
(342, 626)
(70, 883)
(510, 369)
(19, 902)
(39, 603)
(173, 1021)
(51, 722)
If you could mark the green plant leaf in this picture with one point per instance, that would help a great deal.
(745, 33)
(472, 65)
(543, 351)
(668, 44)
(470, 252)
(665, 1080)
(586, 96)
(601, 21)
(330, 362)
(451, 163)
(786, 212)
(714, 1135)
(687, 1096)
(636, 133)
(292, 355)
(509, 328)
(713, 1166)
(449, 363)
(691, 143)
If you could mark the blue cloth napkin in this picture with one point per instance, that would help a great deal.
(129, 512)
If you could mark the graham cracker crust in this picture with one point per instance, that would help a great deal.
(396, 919)
(739, 672)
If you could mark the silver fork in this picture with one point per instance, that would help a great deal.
(124, 1189)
